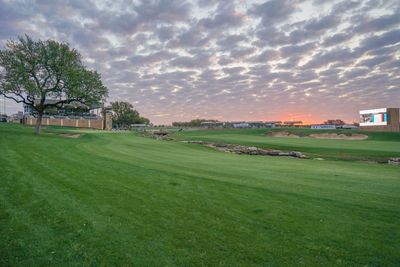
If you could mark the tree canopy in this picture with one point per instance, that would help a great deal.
(32, 72)
(124, 115)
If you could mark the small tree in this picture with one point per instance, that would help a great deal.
(32, 72)
(124, 115)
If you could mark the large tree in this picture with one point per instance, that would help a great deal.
(124, 115)
(34, 72)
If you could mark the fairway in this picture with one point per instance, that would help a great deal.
(119, 199)
(378, 147)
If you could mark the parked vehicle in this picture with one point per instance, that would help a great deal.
(3, 119)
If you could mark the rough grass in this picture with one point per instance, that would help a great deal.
(119, 199)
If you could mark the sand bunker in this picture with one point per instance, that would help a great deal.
(339, 136)
(71, 135)
(282, 134)
(320, 135)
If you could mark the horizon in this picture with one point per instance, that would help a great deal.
(228, 60)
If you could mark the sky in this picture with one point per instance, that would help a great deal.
(177, 60)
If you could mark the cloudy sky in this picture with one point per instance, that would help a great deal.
(176, 60)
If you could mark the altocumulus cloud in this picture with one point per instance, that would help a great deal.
(231, 60)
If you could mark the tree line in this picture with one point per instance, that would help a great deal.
(192, 123)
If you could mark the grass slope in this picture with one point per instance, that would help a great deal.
(120, 199)
(378, 147)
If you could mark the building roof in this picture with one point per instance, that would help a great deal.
(75, 104)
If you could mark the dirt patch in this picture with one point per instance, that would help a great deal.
(339, 136)
(71, 135)
(282, 134)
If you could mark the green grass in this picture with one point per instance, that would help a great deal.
(119, 199)
(380, 146)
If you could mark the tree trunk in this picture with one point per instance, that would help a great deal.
(38, 123)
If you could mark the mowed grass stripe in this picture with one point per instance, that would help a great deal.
(378, 147)
(266, 171)
(110, 199)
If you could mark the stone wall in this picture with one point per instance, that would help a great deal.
(81, 123)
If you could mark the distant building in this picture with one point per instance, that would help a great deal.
(212, 124)
(323, 126)
(381, 119)
(138, 125)
(16, 118)
(74, 114)
(76, 109)
(348, 126)
(240, 125)
(256, 124)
